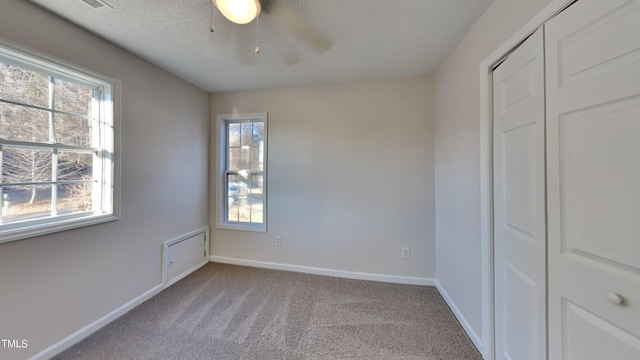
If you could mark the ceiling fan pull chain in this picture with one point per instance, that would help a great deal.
(258, 35)
(211, 28)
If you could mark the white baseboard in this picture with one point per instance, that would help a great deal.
(327, 272)
(461, 319)
(77, 336)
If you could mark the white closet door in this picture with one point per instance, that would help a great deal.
(593, 154)
(519, 207)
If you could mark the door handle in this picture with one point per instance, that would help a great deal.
(615, 299)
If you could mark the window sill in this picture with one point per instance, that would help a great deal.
(242, 227)
(28, 231)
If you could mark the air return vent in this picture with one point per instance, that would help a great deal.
(97, 3)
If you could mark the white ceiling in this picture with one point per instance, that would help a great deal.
(371, 39)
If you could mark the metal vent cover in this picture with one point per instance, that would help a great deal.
(97, 3)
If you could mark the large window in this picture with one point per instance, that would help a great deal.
(242, 172)
(56, 145)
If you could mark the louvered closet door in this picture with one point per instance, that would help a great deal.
(593, 157)
(519, 207)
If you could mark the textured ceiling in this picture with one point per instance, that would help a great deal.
(370, 39)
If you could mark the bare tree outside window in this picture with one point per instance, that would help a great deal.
(244, 171)
(58, 144)
(42, 181)
(241, 171)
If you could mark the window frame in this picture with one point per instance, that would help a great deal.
(108, 118)
(222, 120)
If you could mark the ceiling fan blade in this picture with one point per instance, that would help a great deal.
(290, 20)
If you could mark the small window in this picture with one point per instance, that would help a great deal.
(242, 172)
(56, 145)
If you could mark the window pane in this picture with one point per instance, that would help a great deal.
(244, 196)
(256, 211)
(246, 135)
(244, 210)
(73, 130)
(239, 199)
(74, 98)
(26, 165)
(257, 185)
(23, 86)
(257, 162)
(258, 132)
(75, 166)
(21, 123)
(257, 199)
(245, 158)
(234, 134)
(233, 162)
(26, 202)
(232, 197)
(73, 198)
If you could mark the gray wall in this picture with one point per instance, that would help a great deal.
(457, 148)
(53, 285)
(351, 177)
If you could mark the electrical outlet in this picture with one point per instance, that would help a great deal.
(278, 240)
(406, 253)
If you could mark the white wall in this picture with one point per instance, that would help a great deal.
(457, 147)
(351, 177)
(53, 285)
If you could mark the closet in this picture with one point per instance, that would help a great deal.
(566, 188)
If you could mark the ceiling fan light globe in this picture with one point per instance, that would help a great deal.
(239, 11)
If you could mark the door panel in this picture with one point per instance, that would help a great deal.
(185, 255)
(581, 60)
(519, 207)
(593, 144)
(596, 151)
(518, 150)
(522, 310)
(584, 327)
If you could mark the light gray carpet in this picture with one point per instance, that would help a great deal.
(233, 312)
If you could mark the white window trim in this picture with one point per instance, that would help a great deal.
(110, 170)
(220, 163)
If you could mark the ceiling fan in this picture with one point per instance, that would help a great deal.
(245, 11)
